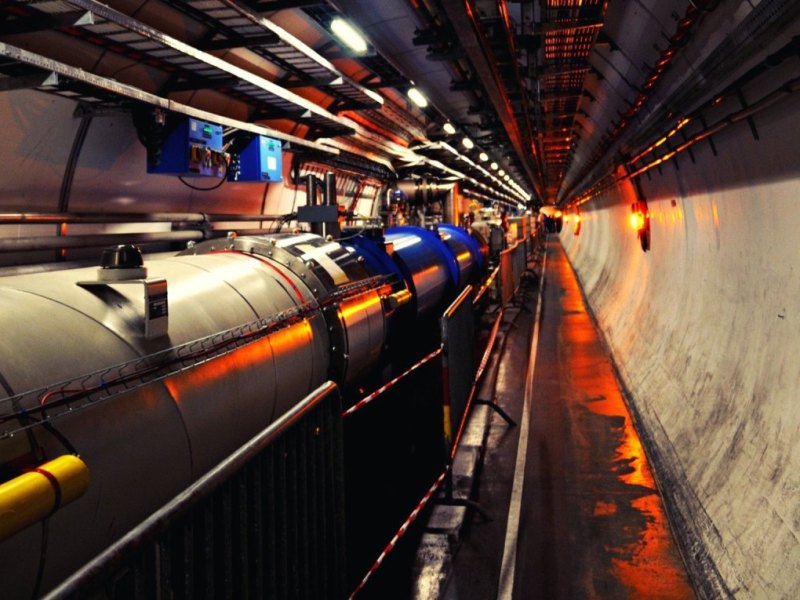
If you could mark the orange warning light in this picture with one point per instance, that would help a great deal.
(637, 220)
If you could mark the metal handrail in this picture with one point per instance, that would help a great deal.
(116, 555)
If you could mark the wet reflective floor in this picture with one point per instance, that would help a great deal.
(591, 521)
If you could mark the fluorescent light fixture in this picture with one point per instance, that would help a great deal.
(348, 35)
(448, 128)
(468, 143)
(494, 166)
(417, 97)
(483, 157)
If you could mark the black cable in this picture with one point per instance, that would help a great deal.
(291, 212)
(351, 236)
(42, 555)
(208, 189)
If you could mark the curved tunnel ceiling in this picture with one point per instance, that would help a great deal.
(560, 94)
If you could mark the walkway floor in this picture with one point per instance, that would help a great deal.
(590, 522)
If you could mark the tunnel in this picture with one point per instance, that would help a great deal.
(434, 299)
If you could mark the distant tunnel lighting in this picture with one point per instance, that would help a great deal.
(494, 166)
(448, 128)
(348, 35)
(468, 143)
(483, 157)
(417, 97)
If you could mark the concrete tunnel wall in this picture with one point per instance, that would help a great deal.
(705, 331)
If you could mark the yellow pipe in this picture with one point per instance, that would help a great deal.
(36, 494)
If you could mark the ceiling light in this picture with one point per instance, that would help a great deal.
(506, 177)
(417, 97)
(501, 172)
(494, 166)
(348, 35)
(468, 143)
(448, 128)
(483, 157)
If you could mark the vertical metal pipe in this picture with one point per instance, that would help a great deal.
(329, 194)
(311, 189)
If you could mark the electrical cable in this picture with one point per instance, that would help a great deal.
(351, 236)
(42, 556)
(208, 189)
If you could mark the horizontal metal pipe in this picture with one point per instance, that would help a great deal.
(30, 244)
(248, 232)
(44, 218)
(216, 218)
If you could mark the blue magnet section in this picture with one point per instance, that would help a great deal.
(467, 252)
(376, 260)
(428, 266)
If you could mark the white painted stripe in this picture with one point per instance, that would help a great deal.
(505, 588)
(320, 254)
(292, 240)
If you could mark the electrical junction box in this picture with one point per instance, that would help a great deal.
(192, 149)
(260, 161)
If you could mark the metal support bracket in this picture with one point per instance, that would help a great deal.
(156, 304)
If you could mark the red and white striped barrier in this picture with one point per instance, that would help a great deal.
(366, 400)
(400, 532)
(478, 374)
(486, 285)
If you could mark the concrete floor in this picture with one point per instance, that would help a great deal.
(591, 523)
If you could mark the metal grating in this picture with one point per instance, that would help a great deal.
(569, 32)
(189, 67)
(266, 522)
(231, 25)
